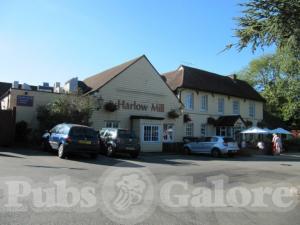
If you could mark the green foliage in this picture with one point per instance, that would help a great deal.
(268, 22)
(65, 109)
(292, 144)
(278, 80)
(22, 131)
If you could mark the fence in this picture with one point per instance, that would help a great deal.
(7, 126)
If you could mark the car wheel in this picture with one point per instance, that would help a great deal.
(110, 151)
(94, 155)
(187, 151)
(61, 151)
(216, 153)
(134, 155)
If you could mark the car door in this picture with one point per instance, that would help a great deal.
(54, 137)
(199, 145)
(206, 145)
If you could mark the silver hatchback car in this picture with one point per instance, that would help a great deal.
(215, 145)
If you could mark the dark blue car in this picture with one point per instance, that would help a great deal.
(72, 138)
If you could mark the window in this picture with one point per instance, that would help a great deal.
(189, 101)
(236, 107)
(252, 109)
(112, 124)
(203, 130)
(224, 131)
(221, 131)
(189, 129)
(168, 134)
(151, 133)
(221, 105)
(204, 103)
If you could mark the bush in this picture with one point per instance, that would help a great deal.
(22, 131)
(65, 109)
(292, 144)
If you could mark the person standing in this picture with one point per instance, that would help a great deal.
(277, 144)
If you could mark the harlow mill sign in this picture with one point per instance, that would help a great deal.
(153, 107)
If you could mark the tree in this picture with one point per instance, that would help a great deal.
(268, 22)
(278, 83)
(65, 109)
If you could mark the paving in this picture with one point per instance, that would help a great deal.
(39, 167)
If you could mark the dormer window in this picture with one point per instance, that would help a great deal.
(189, 101)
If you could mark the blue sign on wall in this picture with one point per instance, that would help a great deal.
(24, 100)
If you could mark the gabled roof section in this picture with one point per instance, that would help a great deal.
(97, 81)
(4, 87)
(201, 80)
(228, 120)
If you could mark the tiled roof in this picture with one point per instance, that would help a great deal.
(193, 78)
(4, 87)
(83, 87)
(97, 81)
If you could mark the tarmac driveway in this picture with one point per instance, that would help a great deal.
(154, 189)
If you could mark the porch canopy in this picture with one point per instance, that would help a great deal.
(280, 131)
(256, 130)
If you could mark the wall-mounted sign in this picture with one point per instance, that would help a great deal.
(154, 107)
(24, 100)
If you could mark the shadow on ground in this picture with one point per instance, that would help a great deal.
(151, 158)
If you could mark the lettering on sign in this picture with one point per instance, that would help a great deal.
(154, 107)
(24, 100)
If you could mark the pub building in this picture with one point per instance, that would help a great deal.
(133, 95)
(158, 108)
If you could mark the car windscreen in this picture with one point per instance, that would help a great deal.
(126, 134)
(228, 139)
(83, 131)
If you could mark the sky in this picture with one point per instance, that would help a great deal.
(55, 40)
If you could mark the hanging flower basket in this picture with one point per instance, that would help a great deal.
(186, 118)
(110, 106)
(211, 120)
(173, 114)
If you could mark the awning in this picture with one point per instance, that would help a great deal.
(280, 131)
(255, 130)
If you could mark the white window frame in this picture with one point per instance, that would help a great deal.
(252, 109)
(189, 129)
(204, 103)
(152, 129)
(168, 132)
(189, 101)
(112, 124)
(221, 105)
(236, 107)
(203, 129)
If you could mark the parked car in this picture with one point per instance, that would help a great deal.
(116, 140)
(71, 138)
(216, 146)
